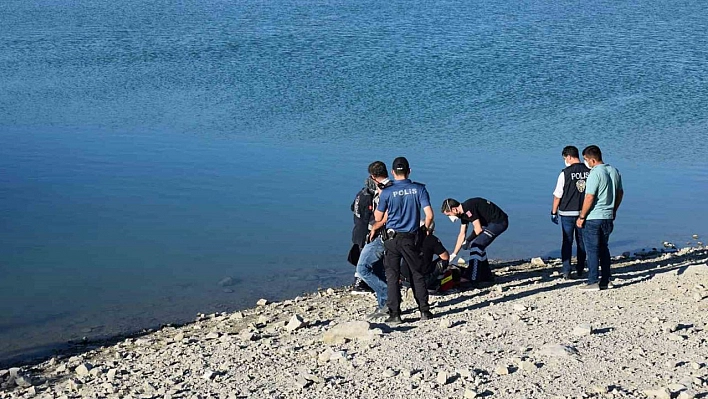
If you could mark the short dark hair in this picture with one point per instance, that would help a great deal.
(378, 169)
(401, 167)
(593, 152)
(448, 204)
(572, 151)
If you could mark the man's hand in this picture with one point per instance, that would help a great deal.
(372, 234)
(554, 218)
(580, 222)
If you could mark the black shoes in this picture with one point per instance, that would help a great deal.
(425, 315)
(360, 287)
(394, 320)
(380, 312)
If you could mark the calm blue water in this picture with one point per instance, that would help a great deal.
(148, 149)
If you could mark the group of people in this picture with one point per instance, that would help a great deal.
(394, 242)
(586, 199)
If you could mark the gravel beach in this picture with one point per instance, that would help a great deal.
(532, 335)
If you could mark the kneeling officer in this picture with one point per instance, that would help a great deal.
(403, 201)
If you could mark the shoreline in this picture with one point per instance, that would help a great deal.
(235, 352)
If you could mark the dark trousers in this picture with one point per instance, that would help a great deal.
(489, 234)
(570, 230)
(478, 268)
(403, 246)
(596, 235)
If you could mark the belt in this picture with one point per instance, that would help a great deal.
(392, 233)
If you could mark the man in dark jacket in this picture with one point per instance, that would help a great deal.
(363, 211)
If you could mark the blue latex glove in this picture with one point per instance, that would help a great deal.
(554, 218)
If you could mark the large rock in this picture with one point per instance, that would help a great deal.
(352, 330)
(83, 369)
(295, 323)
(537, 262)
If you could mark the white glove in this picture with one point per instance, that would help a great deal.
(452, 257)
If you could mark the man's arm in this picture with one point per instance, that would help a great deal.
(587, 204)
(477, 225)
(429, 217)
(556, 204)
(378, 216)
(558, 192)
(618, 201)
(377, 225)
(460, 238)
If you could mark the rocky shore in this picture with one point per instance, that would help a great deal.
(532, 335)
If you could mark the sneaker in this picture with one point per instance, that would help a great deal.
(425, 315)
(608, 286)
(359, 287)
(590, 287)
(393, 320)
(566, 276)
(379, 313)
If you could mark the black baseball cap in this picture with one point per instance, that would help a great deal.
(401, 164)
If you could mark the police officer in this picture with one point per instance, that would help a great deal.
(567, 202)
(402, 202)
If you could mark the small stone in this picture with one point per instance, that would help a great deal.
(246, 335)
(178, 337)
(676, 388)
(111, 375)
(442, 378)
(686, 395)
(330, 291)
(676, 337)
(23, 382)
(661, 393)
(470, 393)
(83, 369)
(600, 389)
(352, 330)
(227, 282)
(502, 370)
(262, 320)
(519, 307)
(582, 330)
(326, 355)
(14, 372)
(208, 375)
(236, 316)
(302, 383)
(699, 296)
(295, 323)
(407, 373)
(388, 373)
(465, 373)
(213, 335)
(262, 302)
(61, 368)
(558, 350)
(499, 289)
(445, 323)
(527, 366)
(95, 372)
(695, 236)
(695, 366)
(537, 262)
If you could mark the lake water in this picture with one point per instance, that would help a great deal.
(150, 149)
